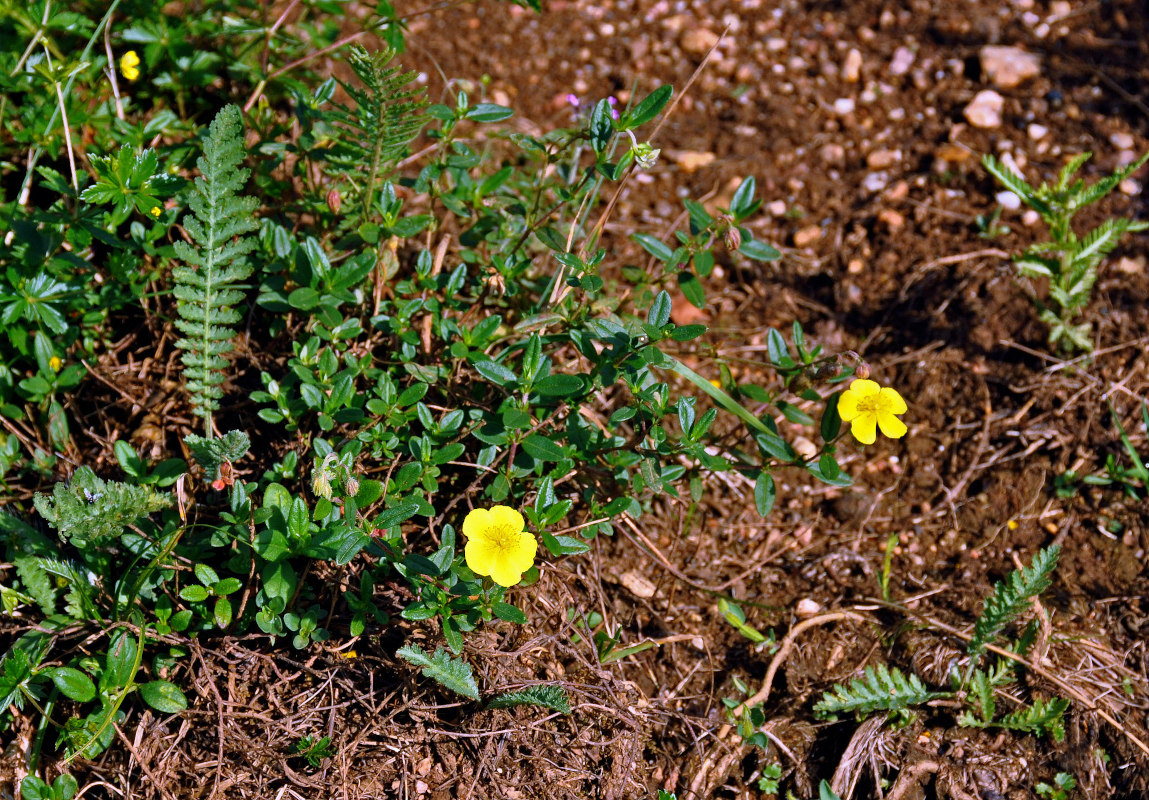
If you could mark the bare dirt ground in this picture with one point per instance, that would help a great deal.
(853, 119)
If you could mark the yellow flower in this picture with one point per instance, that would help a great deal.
(155, 212)
(867, 406)
(497, 545)
(55, 362)
(129, 63)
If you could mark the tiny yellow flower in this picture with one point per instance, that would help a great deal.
(868, 406)
(55, 362)
(155, 212)
(350, 654)
(497, 545)
(129, 64)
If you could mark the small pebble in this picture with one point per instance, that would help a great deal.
(1130, 187)
(855, 266)
(902, 61)
(699, 40)
(1036, 131)
(777, 208)
(844, 105)
(984, 111)
(807, 235)
(852, 69)
(875, 181)
(891, 219)
(1006, 67)
(883, 159)
(1008, 200)
(807, 608)
(1122, 140)
(1030, 218)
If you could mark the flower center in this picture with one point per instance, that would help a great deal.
(874, 404)
(503, 537)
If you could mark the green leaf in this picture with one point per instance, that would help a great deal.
(692, 288)
(222, 613)
(72, 683)
(764, 493)
(647, 109)
(685, 333)
(558, 386)
(495, 372)
(509, 613)
(488, 112)
(882, 689)
(563, 545)
(194, 593)
(743, 203)
(831, 420)
(542, 448)
(659, 313)
(653, 246)
(164, 696)
(396, 514)
(1010, 598)
(544, 695)
(759, 251)
(454, 674)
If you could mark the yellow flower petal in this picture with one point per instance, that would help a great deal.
(891, 426)
(475, 522)
(507, 518)
(480, 556)
(847, 405)
(893, 401)
(129, 61)
(497, 545)
(864, 429)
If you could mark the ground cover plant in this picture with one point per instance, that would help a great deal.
(368, 432)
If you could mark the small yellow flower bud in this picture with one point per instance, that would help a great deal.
(55, 362)
(129, 64)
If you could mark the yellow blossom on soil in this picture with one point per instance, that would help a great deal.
(129, 64)
(869, 407)
(497, 545)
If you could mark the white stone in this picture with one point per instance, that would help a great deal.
(875, 181)
(1006, 67)
(1036, 131)
(1008, 200)
(1129, 186)
(852, 69)
(844, 105)
(1030, 218)
(902, 61)
(984, 111)
(1122, 140)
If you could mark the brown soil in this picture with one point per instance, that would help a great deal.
(884, 199)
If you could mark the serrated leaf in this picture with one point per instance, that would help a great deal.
(1010, 598)
(544, 695)
(882, 689)
(454, 674)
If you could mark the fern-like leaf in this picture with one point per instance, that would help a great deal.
(25, 544)
(1016, 184)
(208, 286)
(882, 689)
(1043, 717)
(1092, 194)
(453, 673)
(89, 509)
(1010, 598)
(544, 695)
(386, 116)
(211, 453)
